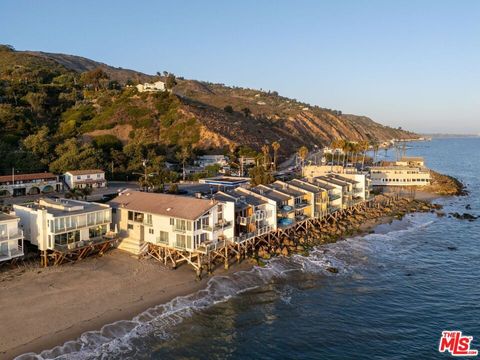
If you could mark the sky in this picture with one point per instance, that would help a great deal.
(414, 64)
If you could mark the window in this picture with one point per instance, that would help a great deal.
(180, 243)
(130, 215)
(163, 237)
(114, 211)
(149, 220)
(172, 221)
(150, 231)
(130, 226)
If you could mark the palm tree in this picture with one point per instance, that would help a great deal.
(345, 149)
(364, 146)
(275, 147)
(302, 154)
(375, 146)
(266, 155)
(183, 156)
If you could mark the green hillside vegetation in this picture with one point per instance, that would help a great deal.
(60, 112)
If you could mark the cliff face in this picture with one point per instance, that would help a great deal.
(46, 89)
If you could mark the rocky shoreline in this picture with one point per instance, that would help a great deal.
(385, 209)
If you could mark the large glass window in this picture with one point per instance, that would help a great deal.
(180, 241)
(163, 237)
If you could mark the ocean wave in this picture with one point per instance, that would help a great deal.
(115, 339)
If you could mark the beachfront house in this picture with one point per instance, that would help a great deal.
(94, 178)
(303, 204)
(413, 161)
(254, 215)
(29, 184)
(285, 204)
(317, 196)
(177, 222)
(11, 237)
(62, 225)
(335, 199)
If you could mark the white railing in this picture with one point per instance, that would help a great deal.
(12, 236)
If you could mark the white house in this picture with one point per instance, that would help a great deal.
(207, 160)
(11, 237)
(178, 222)
(156, 86)
(63, 224)
(94, 178)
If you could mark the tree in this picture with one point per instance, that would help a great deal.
(94, 78)
(246, 111)
(275, 147)
(170, 82)
(302, 154)
(364, 146)
(40, 145)
(228, 109)
(259, 175)
(183, 155)
(376, 147)
(71, 155)
(266, 156)
(36, 101)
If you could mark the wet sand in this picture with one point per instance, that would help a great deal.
(42, 308)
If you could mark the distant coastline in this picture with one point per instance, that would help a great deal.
(451, 136)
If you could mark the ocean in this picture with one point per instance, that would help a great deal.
(395, 292)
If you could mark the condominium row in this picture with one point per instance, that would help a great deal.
(179, 222)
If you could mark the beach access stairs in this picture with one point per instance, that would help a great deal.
(133, 246)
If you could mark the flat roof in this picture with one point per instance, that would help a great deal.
(176, 206)
(226, 179)
(341, 178)
(332, 180)
(5, 217)
(64, 207)
(305, 185)
(271, 193)
(286, 190)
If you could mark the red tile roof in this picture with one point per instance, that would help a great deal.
(27, 177)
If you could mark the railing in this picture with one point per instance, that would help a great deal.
(83, 243)
(179, 229)
(357, 190)
(334, 197)
(222, 225)
(301, 205)
(260, 231)
(12, 236)
(13, 250)
(245, 220)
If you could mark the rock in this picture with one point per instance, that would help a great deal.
(464, 216)
(300, 248)
(468, 207)
(285, 251)
(452, 248)
(440, 213)
(332, 269)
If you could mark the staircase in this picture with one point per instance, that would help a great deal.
(133, 246)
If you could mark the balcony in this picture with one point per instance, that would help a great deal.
(357, 190)
(334, 197)
(110, 236)
(285, 209)
(301, 205)
(179, 229)
(12, 236)
(222, 225)
(10, 249)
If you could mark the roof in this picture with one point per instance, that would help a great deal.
(89, 181)
(63, 207)
(332, 180)
(270, 193)
(4, 217)
(305, 185)
(85, 172)
(286, 190)
(177, 206)
(344, 179)
(26, 177)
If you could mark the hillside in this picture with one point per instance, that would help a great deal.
(59, 111)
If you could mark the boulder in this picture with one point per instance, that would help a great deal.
(332, 270)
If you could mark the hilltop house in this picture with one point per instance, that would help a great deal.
(29, 184)
(156, 86)
(208, 160)
(171, 221)
(11, 237)
(93, 178)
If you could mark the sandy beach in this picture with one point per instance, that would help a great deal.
(45, 307)
(42, 308)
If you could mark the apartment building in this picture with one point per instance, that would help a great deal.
(94, 178)
(29, 184)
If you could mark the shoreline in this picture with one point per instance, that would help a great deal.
(126, 283)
